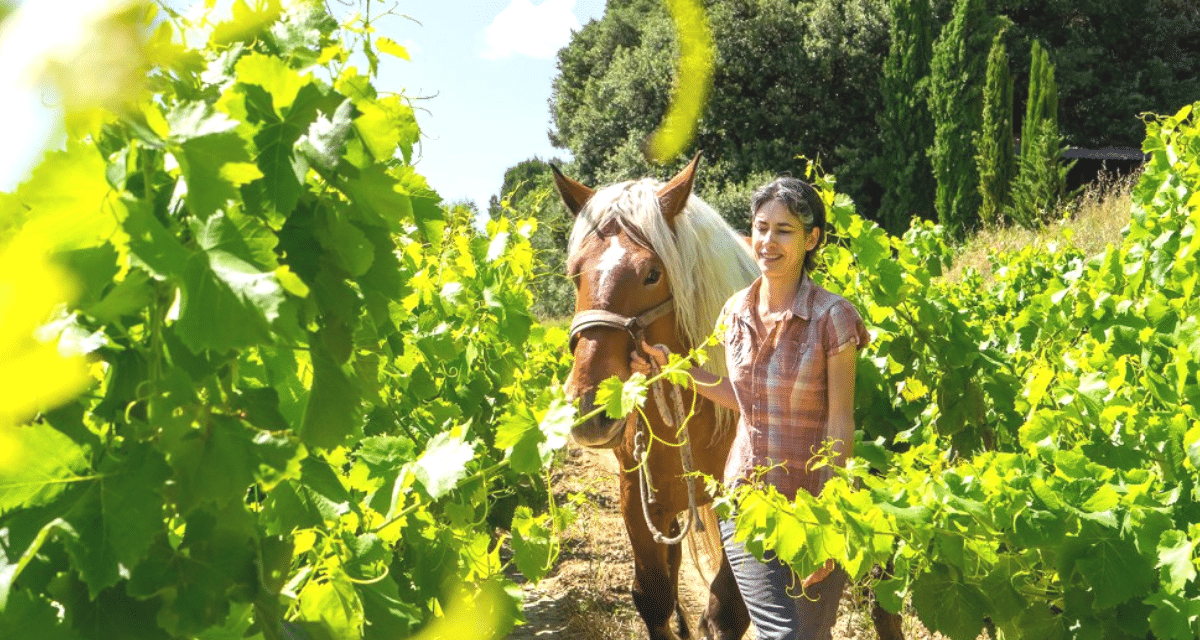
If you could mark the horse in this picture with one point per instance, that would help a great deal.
(653, 261)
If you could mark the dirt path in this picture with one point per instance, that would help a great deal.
(587, 596)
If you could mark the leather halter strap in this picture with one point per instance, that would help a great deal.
(635, 326)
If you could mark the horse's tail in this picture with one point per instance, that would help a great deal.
(705, 546)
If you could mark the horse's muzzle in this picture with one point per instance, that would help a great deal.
(599, 431)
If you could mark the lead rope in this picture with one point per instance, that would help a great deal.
(674, 417)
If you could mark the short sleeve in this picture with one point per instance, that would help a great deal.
(844, 328)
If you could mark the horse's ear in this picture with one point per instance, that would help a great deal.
(673, 196)
(574, 194)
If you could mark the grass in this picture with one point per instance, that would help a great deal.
(1090, 222)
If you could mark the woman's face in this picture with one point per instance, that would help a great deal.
(780, 243)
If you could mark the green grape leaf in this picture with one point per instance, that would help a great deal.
(890, 593)
(21, 539)
(1038, 623)
(334, 606)
(947, 605)
(153, 245)
(28, 616)
(1007, 603)
(115, 522)
(1191, 444)
(385, 125)
(130, 296)
(391, 47)
(71, 203)
(50, 461)
(387, 615)
(283, 168)
(556, 426)
(888, 289)
(274, 76)
(1175, 553)
(1115, 571)
(202, 160)
(620, 398)
(871, 247)
(346, 242)
(325, 140)
(1174, 616)
(226, 302)
(443, 463)
(533, 544)
(239, 621)
(424, 201)
(334, 406)
(378, 196)
(518, 430)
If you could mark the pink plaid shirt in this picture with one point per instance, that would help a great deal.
(782, 390)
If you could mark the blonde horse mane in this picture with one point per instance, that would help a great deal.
(705, 259)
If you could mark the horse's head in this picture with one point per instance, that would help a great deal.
(622, 290)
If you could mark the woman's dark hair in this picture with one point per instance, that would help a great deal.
(802, 201)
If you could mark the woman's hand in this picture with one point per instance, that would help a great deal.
(658, 353)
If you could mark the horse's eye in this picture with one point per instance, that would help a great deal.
(653, 277)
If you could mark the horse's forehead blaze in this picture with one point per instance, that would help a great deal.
(609, 268)
(612, 258)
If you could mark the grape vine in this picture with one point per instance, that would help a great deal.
(1029, 447)
(297, 392)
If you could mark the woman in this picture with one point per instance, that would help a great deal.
(790, 347)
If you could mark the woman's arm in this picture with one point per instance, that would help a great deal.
(840, 377)
(839, 373)
(709, 385)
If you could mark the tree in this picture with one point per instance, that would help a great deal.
(994, 144)
(907, 126)
(1114, 60)
(1042, 176)
(957, 75)
(790, 78)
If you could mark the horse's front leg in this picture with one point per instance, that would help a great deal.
(655, 566)
(726, 617)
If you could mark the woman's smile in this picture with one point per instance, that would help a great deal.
(779, 241)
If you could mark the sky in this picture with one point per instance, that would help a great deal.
(480, 77)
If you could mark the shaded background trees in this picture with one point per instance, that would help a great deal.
(850, 82)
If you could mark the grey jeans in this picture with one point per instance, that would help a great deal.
(772, 594)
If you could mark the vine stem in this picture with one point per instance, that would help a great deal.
(409, 510)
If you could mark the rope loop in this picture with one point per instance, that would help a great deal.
(674, 417)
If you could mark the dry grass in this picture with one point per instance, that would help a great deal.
(1092, 221)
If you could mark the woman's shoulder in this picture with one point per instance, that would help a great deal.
(738, 300)
(826, 302)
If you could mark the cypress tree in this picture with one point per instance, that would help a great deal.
(957, 76)
(1041, 176)
(994, 144)
(905, 121)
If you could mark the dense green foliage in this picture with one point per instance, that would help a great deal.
(1030, 450)
(803, 78)
(316, 395)
(1115, 59)
(789, 78)
(528, 192)
(994, 141)
(1041, 177)
(905, 122)
(956, 76)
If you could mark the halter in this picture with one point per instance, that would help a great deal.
(635, 326)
